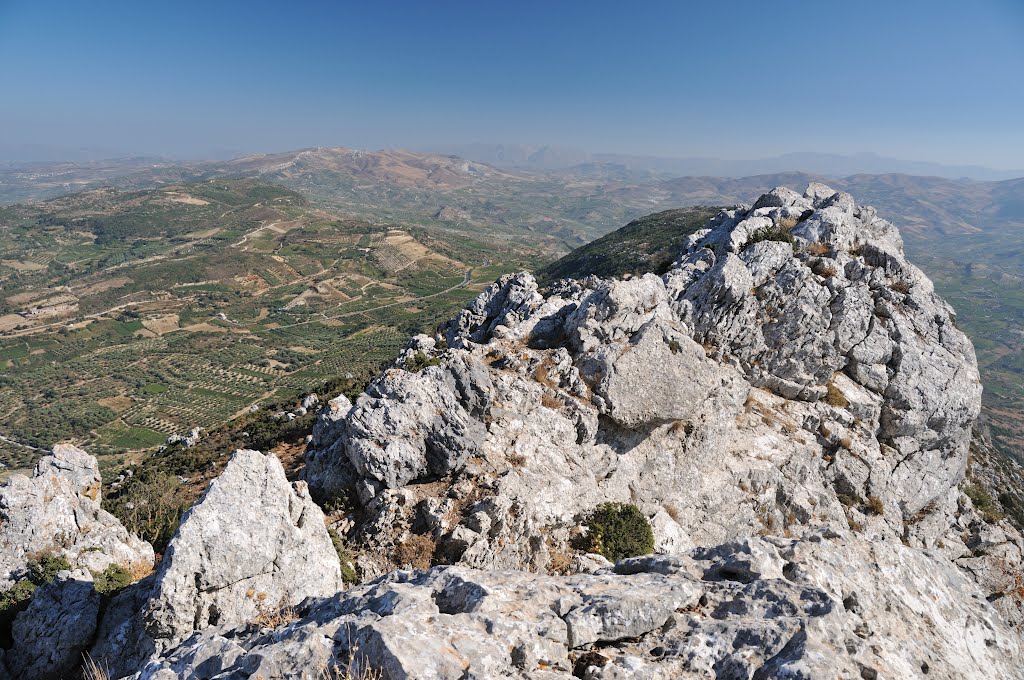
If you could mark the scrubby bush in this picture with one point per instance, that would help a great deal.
(112, 579)
(417, 362)
(43, 567)
(19, 592)
(348, 572)
(619, 530)
(771, 234)
(983, 503)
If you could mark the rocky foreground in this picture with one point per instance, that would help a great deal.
(791, 406)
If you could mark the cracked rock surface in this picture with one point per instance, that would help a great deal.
(253, 544)
(791, 370)
(822, 607)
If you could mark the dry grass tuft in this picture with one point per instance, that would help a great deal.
(417, 551)
(875, 506)
(674, 512)
(819, 249)
(833, 397)
(92, 670)
(273, 617)
(140, 570)
(548, 401)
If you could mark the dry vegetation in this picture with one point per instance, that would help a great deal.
(416, 551)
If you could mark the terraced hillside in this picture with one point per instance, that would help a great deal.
(126, 317)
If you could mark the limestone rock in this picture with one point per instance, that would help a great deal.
(253, 544)
(758, 385)
(58, 509)
(819, 607)
(50, 635)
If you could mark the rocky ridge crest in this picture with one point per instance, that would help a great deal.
(791, 370)
(790, 405)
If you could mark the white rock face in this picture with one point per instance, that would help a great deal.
(252, 544)
(50, 635)
(759, 385)
(823, 607)
(58, 509)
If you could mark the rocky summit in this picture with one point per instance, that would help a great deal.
(789, 407)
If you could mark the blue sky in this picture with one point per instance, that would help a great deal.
(938, 80)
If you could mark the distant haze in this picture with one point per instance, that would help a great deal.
(833, 165)
(726, 84)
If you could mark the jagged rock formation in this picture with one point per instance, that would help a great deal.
(58, 625)
(792, 369)
(254, 543)
(824, 607)
(790, 405)
(58, 509)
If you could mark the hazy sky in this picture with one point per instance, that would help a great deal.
(939, 80)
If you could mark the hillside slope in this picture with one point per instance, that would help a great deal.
(153, 312)
(647, 244)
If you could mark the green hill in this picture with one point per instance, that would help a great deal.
(647, 244)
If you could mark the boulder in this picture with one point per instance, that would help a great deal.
(254, 544)
(51, 634)
(57, 509)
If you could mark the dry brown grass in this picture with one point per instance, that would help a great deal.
(900, 287)
(560, 562)
(674, 512)
(543, 374)
(92, 670)
(268, 616)
(875, 506)
(140, 570)
(833, 397)
(548, 401)
(826, 270)
(348, 672)
(417, 551)
(819, 249)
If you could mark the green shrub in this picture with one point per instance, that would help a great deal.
(417, 362)
(43, 568)
(112, 579)
(983, 502)
(771, 234)
(1014, 507)
(348, 572)
(619, 530)
(20, 592)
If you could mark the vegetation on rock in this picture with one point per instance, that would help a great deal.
(619, 530)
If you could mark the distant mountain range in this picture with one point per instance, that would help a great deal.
(832, 165)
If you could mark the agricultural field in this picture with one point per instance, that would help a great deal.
(984, 281)
(126, 317)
